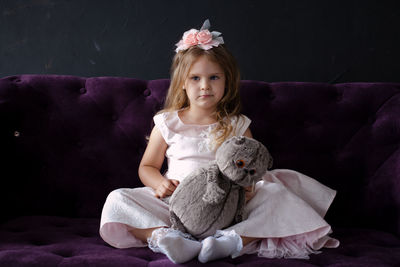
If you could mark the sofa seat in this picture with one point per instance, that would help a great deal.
(61, 241)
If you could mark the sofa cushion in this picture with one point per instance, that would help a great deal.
(53, 241)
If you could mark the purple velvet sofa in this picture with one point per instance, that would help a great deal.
(66, 142)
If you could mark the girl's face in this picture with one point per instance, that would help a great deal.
(205, 84)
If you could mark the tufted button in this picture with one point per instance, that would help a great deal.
(79, 144)
(271, 96)
(17, 134)
(82, 90)
(114, 117)
(147, 92)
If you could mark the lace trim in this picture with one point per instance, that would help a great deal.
(205, 145)
(295, 247)
(239, 124)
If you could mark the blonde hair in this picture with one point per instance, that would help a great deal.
(227, 107)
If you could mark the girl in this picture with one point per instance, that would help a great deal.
(285, 211)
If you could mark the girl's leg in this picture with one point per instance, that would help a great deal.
(142, 234)
(246, 240)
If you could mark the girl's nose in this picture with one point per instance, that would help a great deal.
(205, 85)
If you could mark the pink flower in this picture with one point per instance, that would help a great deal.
(204, 37)
(190, 37)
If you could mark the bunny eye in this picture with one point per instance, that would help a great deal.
(252, 172)
(240, 163)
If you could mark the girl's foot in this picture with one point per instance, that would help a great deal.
(221, 245)
(178, 247)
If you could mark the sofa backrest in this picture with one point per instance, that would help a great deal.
(66, 141)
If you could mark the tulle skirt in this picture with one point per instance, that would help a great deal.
(285, 215)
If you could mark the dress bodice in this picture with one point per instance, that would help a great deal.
(190, 145)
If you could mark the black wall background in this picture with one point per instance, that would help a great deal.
(282, 40)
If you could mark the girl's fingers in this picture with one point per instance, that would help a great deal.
(175, 182)
(166, 188)
(168, 192)
(171, 186)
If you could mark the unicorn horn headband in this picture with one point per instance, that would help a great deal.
(203, 38)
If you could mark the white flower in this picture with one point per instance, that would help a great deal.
(205, 145)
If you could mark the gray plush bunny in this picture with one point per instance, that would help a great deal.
(213, 197)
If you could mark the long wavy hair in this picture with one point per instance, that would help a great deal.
(228, 106)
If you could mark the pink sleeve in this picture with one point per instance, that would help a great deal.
(159, 121)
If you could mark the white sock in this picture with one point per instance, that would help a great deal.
(229, 244)
(174, 245)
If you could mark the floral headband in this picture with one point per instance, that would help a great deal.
(203, 38)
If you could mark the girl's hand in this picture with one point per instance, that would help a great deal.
(166, 188)
(249, 193)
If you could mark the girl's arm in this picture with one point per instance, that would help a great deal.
(150, 165)
(247, 133)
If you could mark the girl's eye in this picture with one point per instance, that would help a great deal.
(214, 77)
(195, 78)
(240, 163)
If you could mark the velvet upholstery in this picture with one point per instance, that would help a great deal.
(66, 142)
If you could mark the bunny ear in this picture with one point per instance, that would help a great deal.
(206, 25)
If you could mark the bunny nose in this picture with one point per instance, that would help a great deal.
(252, 171)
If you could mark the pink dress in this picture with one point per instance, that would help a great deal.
(286, 212)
